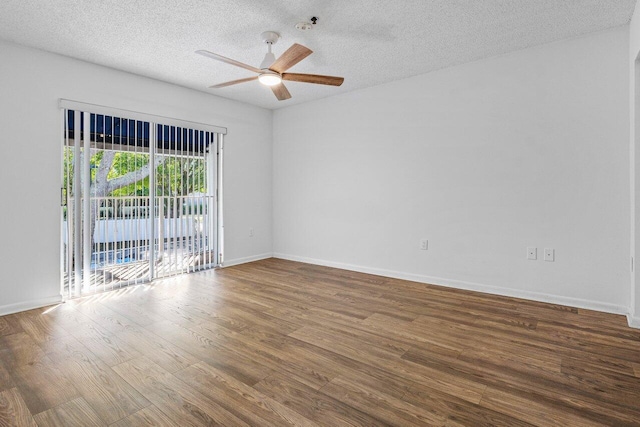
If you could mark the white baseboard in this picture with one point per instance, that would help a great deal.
(471, 286)
(634, 321)
(229, 263)
(29, 305)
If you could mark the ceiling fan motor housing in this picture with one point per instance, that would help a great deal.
(269, 59)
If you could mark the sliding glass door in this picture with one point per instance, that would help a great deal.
(139, 200)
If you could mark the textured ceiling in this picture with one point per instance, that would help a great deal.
(366, 41)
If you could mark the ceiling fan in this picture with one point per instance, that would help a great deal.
(272, 71)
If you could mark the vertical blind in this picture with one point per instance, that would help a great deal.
(141, 197)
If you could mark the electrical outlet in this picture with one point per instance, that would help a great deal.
(532, 253)
(251, 232)
(424, 244)
(549, 254)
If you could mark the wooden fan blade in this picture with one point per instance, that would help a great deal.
(281, 92)
(227, 60)
(313, 78)
(290, 57)
(233, 82)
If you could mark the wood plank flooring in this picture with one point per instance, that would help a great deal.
(279, 343)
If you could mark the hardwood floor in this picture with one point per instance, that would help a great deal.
(275, 343)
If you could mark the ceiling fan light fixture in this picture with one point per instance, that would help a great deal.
(270, 79)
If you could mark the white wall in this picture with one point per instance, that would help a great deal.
(31, 82)
(634, 151)
(483, 159)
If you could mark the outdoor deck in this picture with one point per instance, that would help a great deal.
(115, 276)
